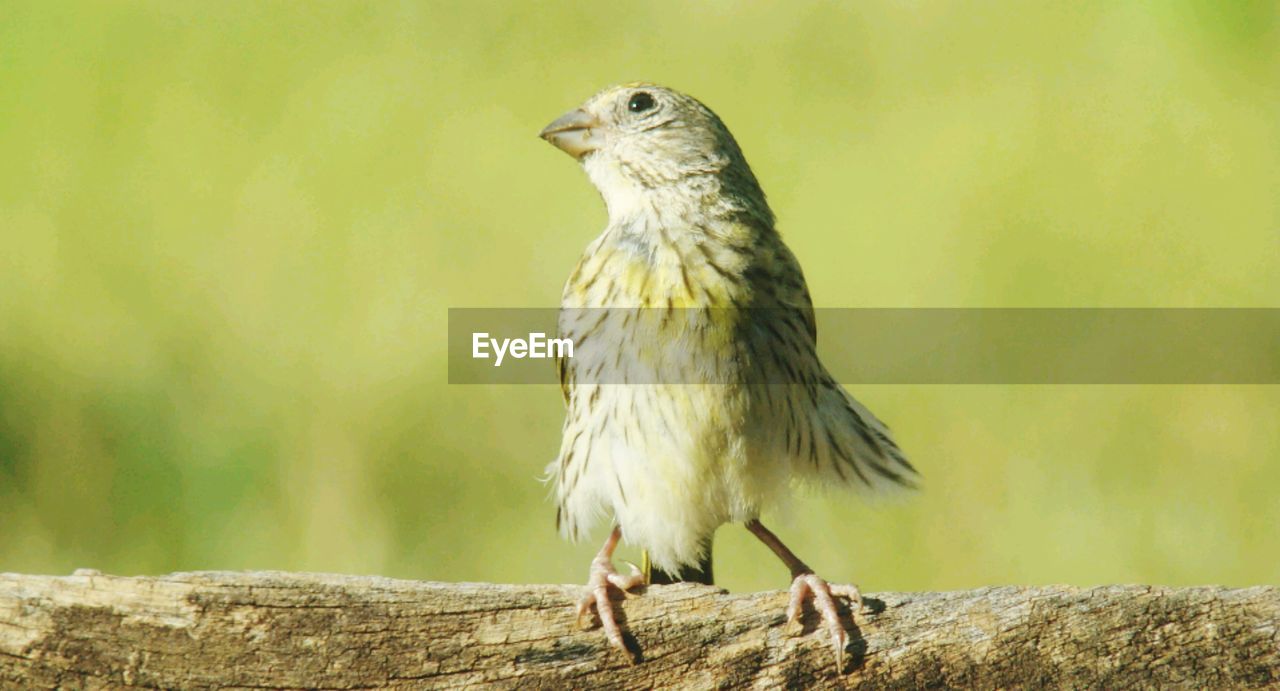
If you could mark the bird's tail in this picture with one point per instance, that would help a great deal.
(699, 573)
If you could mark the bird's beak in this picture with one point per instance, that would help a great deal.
(576, 133)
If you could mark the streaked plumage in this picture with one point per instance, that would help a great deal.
(697, 398)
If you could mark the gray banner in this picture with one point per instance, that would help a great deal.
(879, 346)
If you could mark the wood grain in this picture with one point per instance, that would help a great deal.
(294, 630)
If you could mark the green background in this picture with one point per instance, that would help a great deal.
(230, 232)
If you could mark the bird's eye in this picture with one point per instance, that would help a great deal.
(640, 102)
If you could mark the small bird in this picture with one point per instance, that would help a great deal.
(695, 396)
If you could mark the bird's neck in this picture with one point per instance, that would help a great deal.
(669, 248)
(691, 200)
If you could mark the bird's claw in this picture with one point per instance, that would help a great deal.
(824, 601)
(603, 577)
(631, 580)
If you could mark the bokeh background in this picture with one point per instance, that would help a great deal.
(230, 232)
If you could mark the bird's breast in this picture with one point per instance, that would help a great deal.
(659, 267)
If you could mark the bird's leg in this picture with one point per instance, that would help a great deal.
(602, 576)
(805, 582)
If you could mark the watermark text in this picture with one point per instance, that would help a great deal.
(536, 347)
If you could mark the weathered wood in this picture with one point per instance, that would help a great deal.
(285, 630)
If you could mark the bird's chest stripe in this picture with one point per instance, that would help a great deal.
(616, 277)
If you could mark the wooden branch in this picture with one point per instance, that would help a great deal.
(283, 630)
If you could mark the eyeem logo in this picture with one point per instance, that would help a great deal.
(536, 347)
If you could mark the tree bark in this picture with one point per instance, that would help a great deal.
(287, 630)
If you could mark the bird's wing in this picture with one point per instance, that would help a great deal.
(792, 292)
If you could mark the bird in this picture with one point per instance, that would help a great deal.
(694, 395)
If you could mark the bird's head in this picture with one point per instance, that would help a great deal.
(640, 140)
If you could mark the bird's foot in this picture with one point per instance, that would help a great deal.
(824, 601)
(603, 579)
